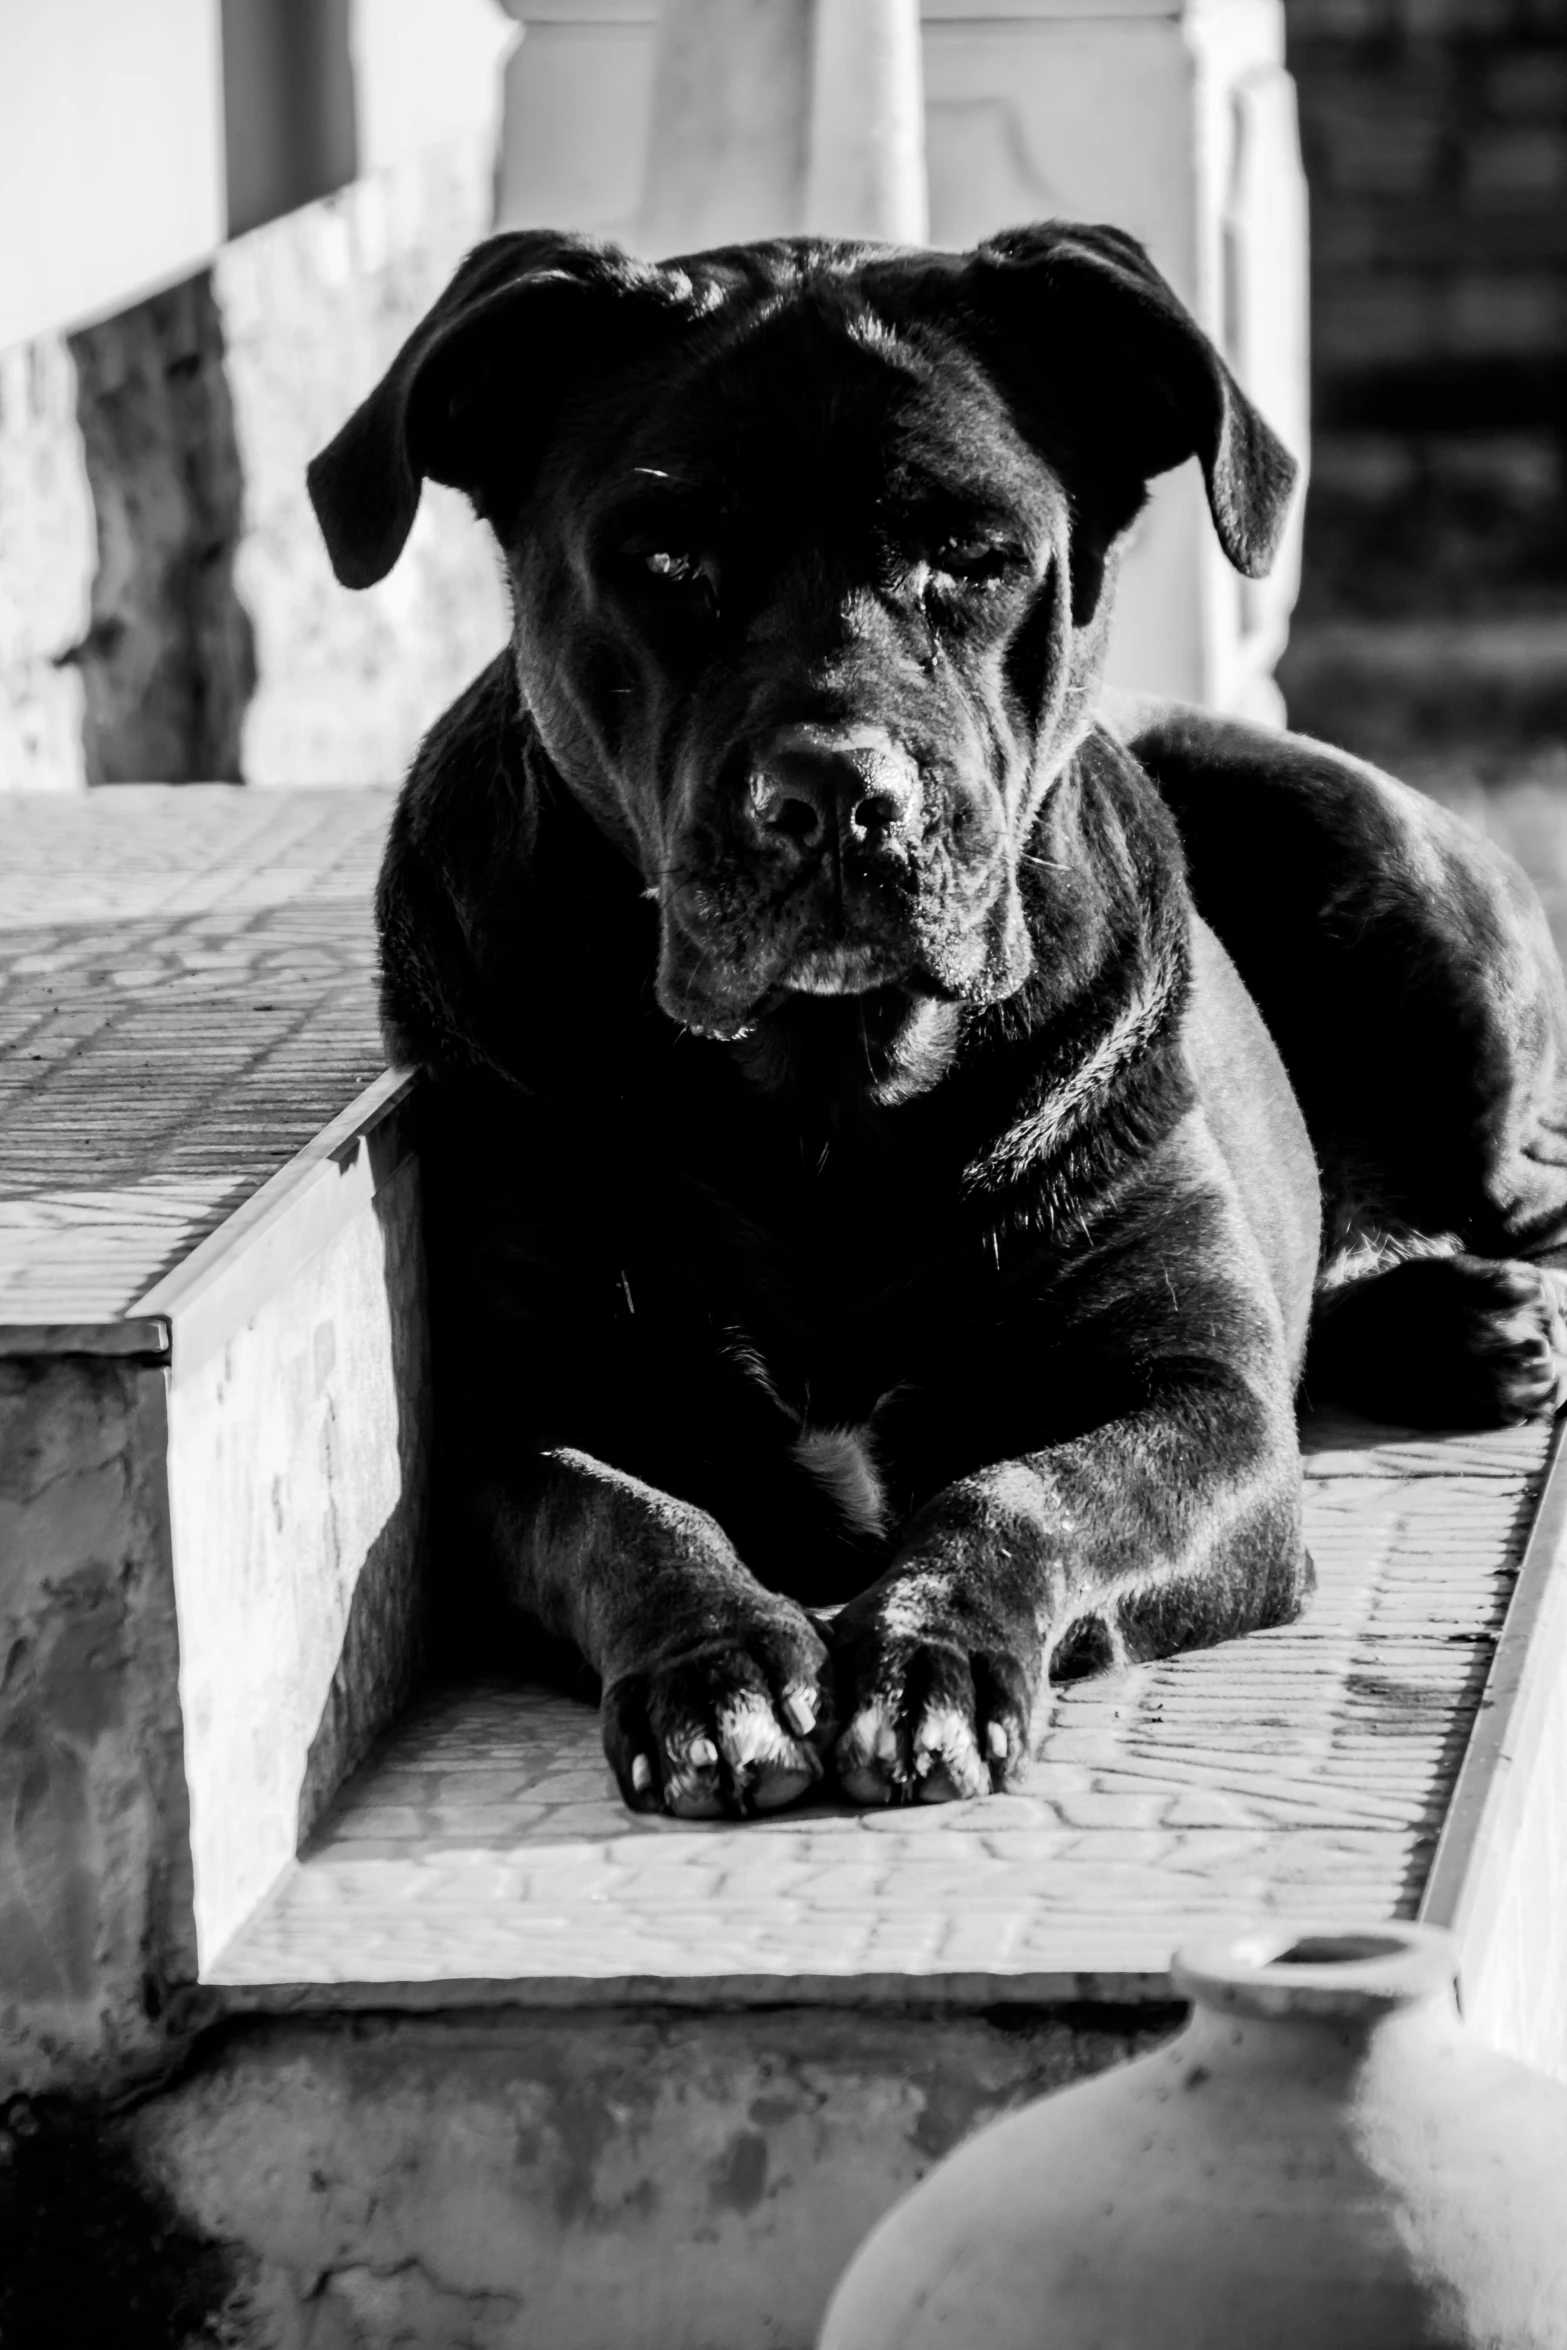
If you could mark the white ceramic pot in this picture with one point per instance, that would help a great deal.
(1323, 2159)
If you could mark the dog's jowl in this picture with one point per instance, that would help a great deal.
(884, 1112)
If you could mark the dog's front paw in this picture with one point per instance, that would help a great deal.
(732, 1724)
(927, 1717)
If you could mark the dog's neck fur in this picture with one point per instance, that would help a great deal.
(1096, 1026)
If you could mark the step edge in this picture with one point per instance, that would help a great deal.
(960, 1991)
(301, 1207)
(143, 1335)
(1480, 1824)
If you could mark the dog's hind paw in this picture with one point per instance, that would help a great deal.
(727, 1728)
(1445, 1342)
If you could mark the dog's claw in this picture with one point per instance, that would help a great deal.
(641, 1774)
(799, 1707)
(997, 1745)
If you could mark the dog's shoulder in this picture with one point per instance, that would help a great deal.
(1081, 1071)
(1103, 881)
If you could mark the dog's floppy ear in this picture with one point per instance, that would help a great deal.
(1146, 375)
(478, 368)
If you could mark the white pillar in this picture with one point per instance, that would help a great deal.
(1174, 119)
(866, 169)
(726, 154)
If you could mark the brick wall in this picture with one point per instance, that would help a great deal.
(1435, 137)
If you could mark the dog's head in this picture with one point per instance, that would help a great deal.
(811, 548)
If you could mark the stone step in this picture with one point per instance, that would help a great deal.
(469, 2051)
(482, 1856)
(212, 1385)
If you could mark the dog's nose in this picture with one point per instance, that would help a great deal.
(812, 785)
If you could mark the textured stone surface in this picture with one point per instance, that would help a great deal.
(297, 1482)
(188, 1002)
(94, 1882)
(47, 557)
(1499, 1883)
(167, 661)
(512, 2183)
(314, 306)
(1517, 1999)
(1302, 1772)
(194, 554)
(188, 997)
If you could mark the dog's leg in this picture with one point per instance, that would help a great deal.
(717, 1692)
(1444, 1342)
(1407, 972)
(1175, 1525)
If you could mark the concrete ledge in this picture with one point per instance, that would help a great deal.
(297, 1473)
(1499, 1878)
(482, 1856)
(241, 1519)
(95, 1902)
(212, 1387)
(509, 2181)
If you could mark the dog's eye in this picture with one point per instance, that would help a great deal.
(972, 559)
(691, 579)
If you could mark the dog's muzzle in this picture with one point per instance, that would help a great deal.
(831, 863)
(850, 795)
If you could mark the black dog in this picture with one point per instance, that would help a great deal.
(857, 1172)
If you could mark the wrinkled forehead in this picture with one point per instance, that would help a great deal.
(816, 408)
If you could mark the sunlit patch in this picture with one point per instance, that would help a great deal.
(873, 333)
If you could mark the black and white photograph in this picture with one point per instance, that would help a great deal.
(783, 1174)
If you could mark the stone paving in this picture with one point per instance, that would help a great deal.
(1302, 1772)
(186, 997)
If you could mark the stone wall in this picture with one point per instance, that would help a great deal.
(314, 306)
(94, 1869)
(167, 659)
(510, 2181)
(167, 612)
(47, 560)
